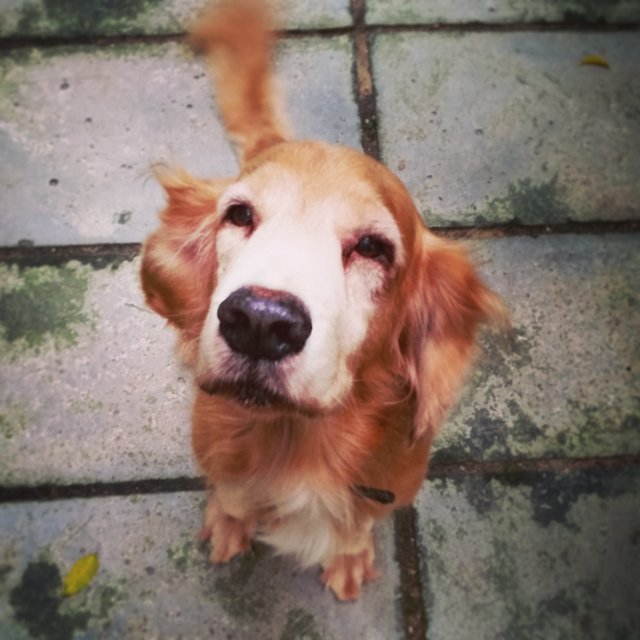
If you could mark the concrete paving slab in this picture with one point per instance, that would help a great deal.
(550, 555)
(488, 128)
(90, 389)
(568, 382)
(501, 11)
(40, 18)
(155, 580)
(81, 126)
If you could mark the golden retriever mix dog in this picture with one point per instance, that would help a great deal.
(327, 329)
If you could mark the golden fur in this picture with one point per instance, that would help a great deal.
(291, 472)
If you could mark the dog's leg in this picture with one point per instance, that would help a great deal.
(230, 534)
(346, 571)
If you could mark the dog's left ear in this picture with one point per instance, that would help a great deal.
(445, 304)
(178, 259)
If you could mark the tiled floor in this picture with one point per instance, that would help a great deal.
(529, 524)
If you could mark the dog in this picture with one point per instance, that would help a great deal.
(328, 330)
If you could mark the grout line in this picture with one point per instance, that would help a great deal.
(96, 255)
(414, 611)
(48, 492)
(51, 491)
(105, 254)
(81, 40)
(509, 230)
(439, 470)
(53, 41)
(506, 27)
(101, 40)
(363, 81)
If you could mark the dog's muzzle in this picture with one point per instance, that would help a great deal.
(263, 324)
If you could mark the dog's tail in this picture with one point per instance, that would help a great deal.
(237, 38)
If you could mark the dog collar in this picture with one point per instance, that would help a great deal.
(379, 495)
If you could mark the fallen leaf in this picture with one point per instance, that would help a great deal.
(595, 60)
(80, 574)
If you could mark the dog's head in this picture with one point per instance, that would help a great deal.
(295, 282)
(310, 280)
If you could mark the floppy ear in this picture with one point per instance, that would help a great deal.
(446, 305)
(178, 259)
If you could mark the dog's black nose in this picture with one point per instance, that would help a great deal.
(264, 324)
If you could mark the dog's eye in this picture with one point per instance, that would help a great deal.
(240, 215)
(375, 248)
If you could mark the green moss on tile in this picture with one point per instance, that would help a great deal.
(553, 495)
(108, 597)
(523, 428)
(590, 10)
(236, 592)
(437, 532)
(479, 492)
(77, 17)
(559, 604)
(592, 424)
(521, 620)
(36, 603)
(501, 355)
(528, 202)
(85, 404)
(13, 421)
(5, 570)
(301, 625)
(183, 554)
(42, 304)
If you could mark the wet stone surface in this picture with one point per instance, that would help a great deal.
(80, 171)
(90, 387)
(156, 581)
(488, 128)
(540, 555)
(565, 382)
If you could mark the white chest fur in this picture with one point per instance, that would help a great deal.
(308, 523)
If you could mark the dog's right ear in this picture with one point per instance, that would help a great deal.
(237, 39)
(178, 259)
(445, 305)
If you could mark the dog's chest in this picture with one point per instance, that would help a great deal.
(305, 520)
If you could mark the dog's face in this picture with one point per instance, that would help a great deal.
(288, 282)
(307, 255)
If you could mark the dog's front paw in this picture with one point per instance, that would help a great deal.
(344, 574)
(229, 536)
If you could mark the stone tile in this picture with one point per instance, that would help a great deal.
(500, 11)
(89, 385)
(489, 128)
(568, 384)
(155, 580)
(540, 556)
(37, 18)
(77, 171)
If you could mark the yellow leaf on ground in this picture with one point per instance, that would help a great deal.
(595, 60)
(81, 574)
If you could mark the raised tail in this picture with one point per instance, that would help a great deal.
(237, 38)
